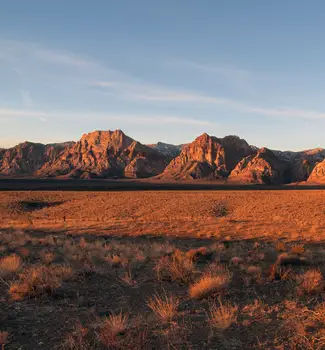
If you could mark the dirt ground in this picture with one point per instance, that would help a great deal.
(162, 270)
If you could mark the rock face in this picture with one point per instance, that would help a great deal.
(170, 151)
(301, 163)
(318, 173)
(264, 167)
(207, 157)
(112, 154)
(26, 158)
(105, 154)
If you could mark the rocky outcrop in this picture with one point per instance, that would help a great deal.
(318, 173)
(105, 154)
(207, 157)
(26, 158)
(170, 151)
(264, 167)
(112, 154)
(301, 163)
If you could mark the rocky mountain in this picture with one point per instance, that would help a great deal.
(170, 151)
(318, 173)
(112, 154)
(207, 157)
(26, 158)
(301, 163)
(264, 167)
(105, 154)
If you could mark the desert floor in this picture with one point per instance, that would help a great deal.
(162, 270)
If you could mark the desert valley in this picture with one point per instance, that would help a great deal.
(170, 192)
(180, 268)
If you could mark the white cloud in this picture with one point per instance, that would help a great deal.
(152, 93)
(130, 118)
(23, 55)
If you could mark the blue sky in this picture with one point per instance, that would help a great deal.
(163, 70)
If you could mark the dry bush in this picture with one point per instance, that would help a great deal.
(77, 339)
(280, 246)
(218, 209)
(297, 249)
(113, 326)
(10, 265)
(201, 254)
(222, 316)
(310, 282)
(209, 283)
(38, 280)
(164, 306)
(127, 278)
(176, 267)
(47, 257)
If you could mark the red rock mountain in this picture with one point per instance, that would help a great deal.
(108, 154)
(26, 158)
(264, 167)
(207, 157)
(318, 173)
(105, 154)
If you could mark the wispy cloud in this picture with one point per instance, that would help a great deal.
(151, 93)
(130, 118)
(13, 51)
(108, 81)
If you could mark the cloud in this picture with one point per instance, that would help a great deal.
(130, 118)
(152, 93)
(62, 58)
(25, 58)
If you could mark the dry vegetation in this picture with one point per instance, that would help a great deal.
(162, 270)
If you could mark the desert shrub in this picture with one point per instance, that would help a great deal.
(113, 326)
(38, 280)
(297, 249)
(9, 265)
(176, 267)
(77, 339)
(310, 282)
(222, 316)
(47, 257)
(210, 283)
(218, 209)
(280, 246)
(164, 306)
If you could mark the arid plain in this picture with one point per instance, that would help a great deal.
(162, 269)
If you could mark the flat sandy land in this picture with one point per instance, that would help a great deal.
(144, 270)
(293, 215)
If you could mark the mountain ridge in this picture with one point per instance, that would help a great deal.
(112, 154)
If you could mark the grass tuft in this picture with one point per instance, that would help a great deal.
(164, 306)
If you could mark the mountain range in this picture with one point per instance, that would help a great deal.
(112, 154)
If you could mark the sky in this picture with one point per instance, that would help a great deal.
(163, 70)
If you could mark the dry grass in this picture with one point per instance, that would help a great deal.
(297, 249)
(179, 236)
(210, 283)
(113, 326)
(10, 265)
(222, 316)
(77, 339)
(164, 306)
(310, 282)
(177, 267)
(38, 280)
